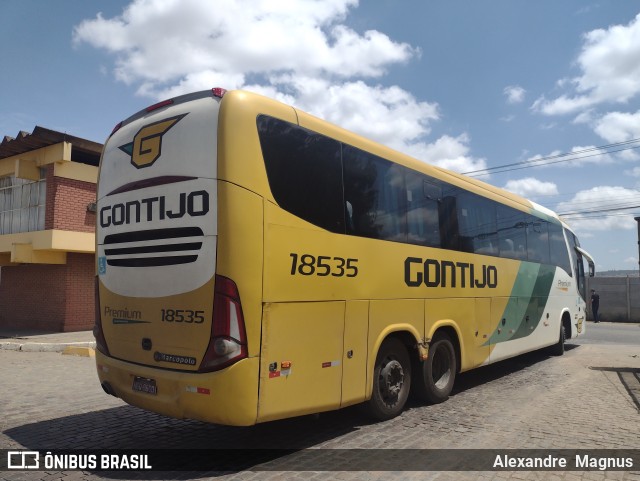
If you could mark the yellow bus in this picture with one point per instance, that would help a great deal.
(256, 263)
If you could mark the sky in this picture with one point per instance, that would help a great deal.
(539, 97)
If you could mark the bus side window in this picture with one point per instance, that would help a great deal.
(538, 240)
(304, 170)
(374, 187)
(423, 223)
(512, 233)
(477, 224)
(558, 248)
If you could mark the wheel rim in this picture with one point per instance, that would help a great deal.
(391, 381)
(441, 368)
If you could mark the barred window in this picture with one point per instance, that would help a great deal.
(22, 204)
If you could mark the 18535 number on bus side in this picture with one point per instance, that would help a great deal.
(322, 266)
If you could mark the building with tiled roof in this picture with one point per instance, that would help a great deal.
(47, 224)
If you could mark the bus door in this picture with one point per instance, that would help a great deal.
(577, 259)
(579, 270)
(582, 254)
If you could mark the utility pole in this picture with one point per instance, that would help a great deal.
(638, 221)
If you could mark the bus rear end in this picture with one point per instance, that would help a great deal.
(170, 329)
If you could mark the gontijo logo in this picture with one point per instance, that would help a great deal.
(146, 147)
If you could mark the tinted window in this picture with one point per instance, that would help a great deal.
(558, 248)
(572, 252)
(304, 171)
(477, 224)
(538, 240)
(512, 233)
(423, 197)
(375, 196)
(383, 200)
(577, 261)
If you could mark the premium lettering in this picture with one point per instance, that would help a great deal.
(122, 313)
(434, 273)
(155, 208)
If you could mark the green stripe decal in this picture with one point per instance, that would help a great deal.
(527, 302)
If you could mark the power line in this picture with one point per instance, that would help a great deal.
(598, 202)
(557, 158)
(601, 216)
(596, 211)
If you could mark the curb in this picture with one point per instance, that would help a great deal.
(45, 346)
(79, 351)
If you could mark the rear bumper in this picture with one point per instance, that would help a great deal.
(227, 397)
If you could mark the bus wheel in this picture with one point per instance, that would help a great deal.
(391, 380)
(558, 349)
(438, 373)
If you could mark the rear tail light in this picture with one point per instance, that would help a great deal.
(228, 342)
(101, 342)
(116, 128)
(159, 105)
(218, 92)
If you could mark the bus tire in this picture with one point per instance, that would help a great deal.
(558, 348)
(437, 374)
(391, 380)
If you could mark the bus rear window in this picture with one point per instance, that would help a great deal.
(304, 171)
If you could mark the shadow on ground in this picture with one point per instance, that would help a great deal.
(630, 378)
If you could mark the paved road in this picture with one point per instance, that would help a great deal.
(589, 398)
(611, 333)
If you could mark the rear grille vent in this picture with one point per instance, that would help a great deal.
(140, 248)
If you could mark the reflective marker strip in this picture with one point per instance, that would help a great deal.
(330, 364)
(198, 390)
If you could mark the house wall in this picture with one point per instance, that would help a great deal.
(66, 207)
(55, 297)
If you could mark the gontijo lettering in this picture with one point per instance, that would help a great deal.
(155, 208)
(434, 273)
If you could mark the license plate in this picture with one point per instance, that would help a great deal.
(142, 384)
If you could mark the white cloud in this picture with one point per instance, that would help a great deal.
(531, 187)
(601, 198)
(391, 115)
(449, 153)
(618, 126)
(610, 71)
(160, 42)
(561, 105)
(635, 172)
(585, 117)
(515, 94)
(298, 52)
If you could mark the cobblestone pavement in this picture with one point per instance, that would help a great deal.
(587, 399)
